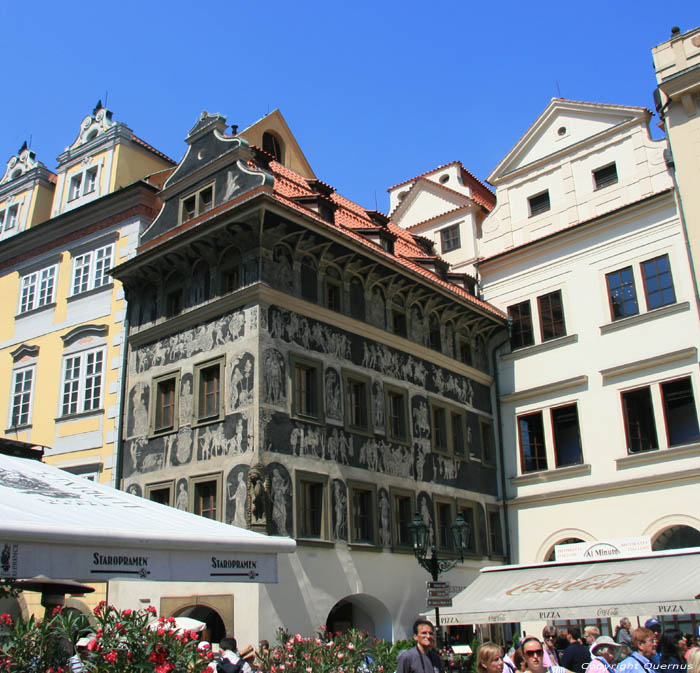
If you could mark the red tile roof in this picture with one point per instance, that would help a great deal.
(350, 216)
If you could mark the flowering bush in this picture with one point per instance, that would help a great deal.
(131, 641)
(121, 642)
(331, 653)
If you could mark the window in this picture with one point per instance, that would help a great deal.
(37, 289)
(532, 449)
(396, 414)
(457, 428)
(605, 176)
(357, 299)
(640, 427)
(566, 436)
(309, 278)
(197, 204)
(398, 316)
(8, 218)
(449, 238)
(160, 493)
(307, 388)
(272, 145)
(357, 401)
(439, 429)
(333, 290)
(434, 338)
(488, 444)
(312, 508)
(90, 269)
(403, 515)
(83, 183)
(165, 404)
(362, 525)
(464, 349)
(679, 412)
(82, 382)
(230, 279)
(209, 402)
(495, 532)
(658, 283)
(539, 203)
(74, 190)
(551, 315)
(205, 494)
(443, 520)
(520, 316)
(174, 302)
(22, 391)
(622, 293)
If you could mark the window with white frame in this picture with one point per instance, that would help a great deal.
(22, 394)
(83, 183)
(37, 289)
(449, 238)
(90, 269)
(8, 218)
(83, 382)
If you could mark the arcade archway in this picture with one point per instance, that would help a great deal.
(361, 612)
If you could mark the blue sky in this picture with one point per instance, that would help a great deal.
(375, 92)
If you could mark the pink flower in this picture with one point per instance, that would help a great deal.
(127, 612)
(340, 655)
(111, 657)
(351, 646)
(6, 619)
(297, 638)
(151, 609)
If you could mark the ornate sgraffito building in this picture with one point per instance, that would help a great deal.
(303, 367)
(61, 341)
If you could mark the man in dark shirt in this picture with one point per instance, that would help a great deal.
(576, 656)
(422, 658)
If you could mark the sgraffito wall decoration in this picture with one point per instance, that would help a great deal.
(281, 497)
(339, 509)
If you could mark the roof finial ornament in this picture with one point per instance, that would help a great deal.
(22, 149)
(97, 107)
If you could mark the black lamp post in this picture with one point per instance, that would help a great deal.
(436, 566)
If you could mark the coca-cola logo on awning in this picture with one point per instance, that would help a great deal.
(595, 582)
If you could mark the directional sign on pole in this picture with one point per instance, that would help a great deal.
(439, 602)
(438, 585)
(438, 593)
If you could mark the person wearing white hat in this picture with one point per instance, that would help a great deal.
(604, 651)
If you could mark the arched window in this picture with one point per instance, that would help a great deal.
(174, 294)
(357, 298)
(569, 540)
(229, 271)
(274, 146)
(677, 537)
(333, 289)
(398, 315)
(308, 279)
(200, 290)
(434, 340)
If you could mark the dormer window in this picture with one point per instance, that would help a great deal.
(90, 181)
(605, 176)
(83, 184)
(272, 145)
(196, 204)
(449, 238)
(8, 218)
(539, 203)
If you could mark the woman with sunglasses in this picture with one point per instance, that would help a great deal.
(533, 652)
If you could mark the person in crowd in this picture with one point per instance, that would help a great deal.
(655, 626)
(672, 648)
(576, 656)
(489, 658)
(533, 653)
(422, 657)
(561, 642)
(604, 653)
(622, 632)
(551, 656)
(694, 660)
(643, 648)
(230, 660)
(590, 635)
(509, 665)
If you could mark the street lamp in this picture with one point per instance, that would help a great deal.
(420, 533)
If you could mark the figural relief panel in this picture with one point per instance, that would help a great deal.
(339, 497)
(281, 496)
(237, 496)
(384, 510)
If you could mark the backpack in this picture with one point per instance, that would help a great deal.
(225, 666)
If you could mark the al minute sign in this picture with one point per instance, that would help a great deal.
(603, 549)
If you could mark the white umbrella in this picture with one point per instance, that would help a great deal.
(180, 624)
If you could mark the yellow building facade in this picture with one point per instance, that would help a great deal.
(64, 317)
